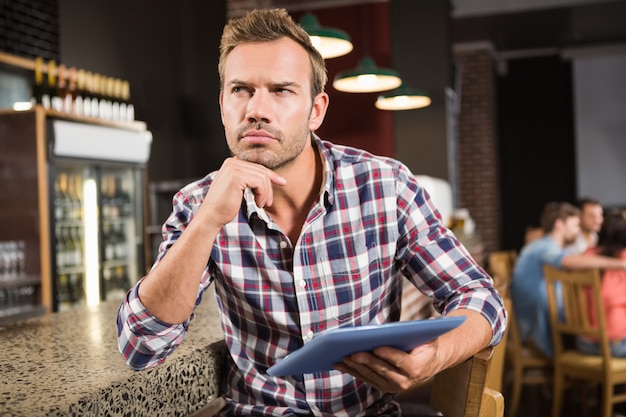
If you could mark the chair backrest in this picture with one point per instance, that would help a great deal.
(501, 263)
(458, 391)
(574, 298)
(495, 372)
(514, 344)
(493, 404)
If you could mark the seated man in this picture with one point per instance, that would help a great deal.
(561, 225)
(299, 236)
(591, 218)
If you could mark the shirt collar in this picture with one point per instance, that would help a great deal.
(326, 197)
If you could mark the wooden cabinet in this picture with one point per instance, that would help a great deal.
(29, 161)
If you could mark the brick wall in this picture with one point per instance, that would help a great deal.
(477, 152)
(30, 28)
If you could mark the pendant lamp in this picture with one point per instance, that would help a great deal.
(367, 78)
(403, 98)
(329, 41)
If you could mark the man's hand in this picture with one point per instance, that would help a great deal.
(170, 289)
(223, 200)
(392, 370)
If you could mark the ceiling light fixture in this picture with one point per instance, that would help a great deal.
(367, 78)
(329, 41)
(403, 98)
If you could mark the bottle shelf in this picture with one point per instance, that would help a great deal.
(9, 317)
(22, 280)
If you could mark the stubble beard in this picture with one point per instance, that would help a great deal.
(289, 148)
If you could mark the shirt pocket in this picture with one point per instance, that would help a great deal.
(352, 286)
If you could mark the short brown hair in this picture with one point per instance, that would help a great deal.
(266, 25)
(554, 211)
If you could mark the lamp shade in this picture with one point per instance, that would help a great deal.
(330, 42)
(402, 98)
(367, 78)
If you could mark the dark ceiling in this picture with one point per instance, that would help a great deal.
(576, 26)
(594, 23)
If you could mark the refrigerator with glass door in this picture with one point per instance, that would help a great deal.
(98, 183)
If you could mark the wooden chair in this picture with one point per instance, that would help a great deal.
(528, 364)
(493, 404)
(581, 290)
(495, 373)
(501, 263)
(459, 391)
(456, 392)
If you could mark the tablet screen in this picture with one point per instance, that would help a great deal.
(332, 346)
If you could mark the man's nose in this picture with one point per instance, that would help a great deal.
(260, 107)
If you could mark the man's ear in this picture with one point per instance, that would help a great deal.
(318, 111)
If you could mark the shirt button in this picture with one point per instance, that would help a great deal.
(310, 334)
(303, 283)
(283, 244)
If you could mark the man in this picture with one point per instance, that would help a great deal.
(591, 218)
(561, 225)
(300, 236)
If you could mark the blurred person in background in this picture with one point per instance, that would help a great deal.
(560, 222)
(591, 217)
(612, 243)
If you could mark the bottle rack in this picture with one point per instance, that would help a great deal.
(29, 65)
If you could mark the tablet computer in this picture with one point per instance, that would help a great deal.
(332, 346)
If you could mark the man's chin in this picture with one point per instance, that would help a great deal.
(257, 157)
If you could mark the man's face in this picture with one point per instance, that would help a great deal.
(266, 104)
(591, 218)
(571, 230)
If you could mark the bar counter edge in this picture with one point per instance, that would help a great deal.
(68, 364)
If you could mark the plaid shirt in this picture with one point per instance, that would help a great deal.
(372, 226)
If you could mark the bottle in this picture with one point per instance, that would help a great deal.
(95, 96)
(70, 96)
(79, 106)
(76, 196)
(58, 101)
(117, 98)
(130, 109)
(109, 209)
(77, 294)
(50, 90)
(59, 200)
(126, 207)
(102, 99)
(64, 203)
(70, 247)
(114, 211)
(38, 86)
(88, 95)
(60, 250)
(120, 283)
(109, 242)
(77, 242)
(110, 96)
(64, 293)
(120, 242)
(73, 205)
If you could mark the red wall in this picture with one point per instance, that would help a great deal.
(352, 118)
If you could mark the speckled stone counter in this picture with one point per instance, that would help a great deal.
(67, 364)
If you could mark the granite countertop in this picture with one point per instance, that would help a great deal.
(68, 364)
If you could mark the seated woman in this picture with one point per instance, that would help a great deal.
(611, 242)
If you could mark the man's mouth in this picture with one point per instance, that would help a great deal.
(257, 137)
